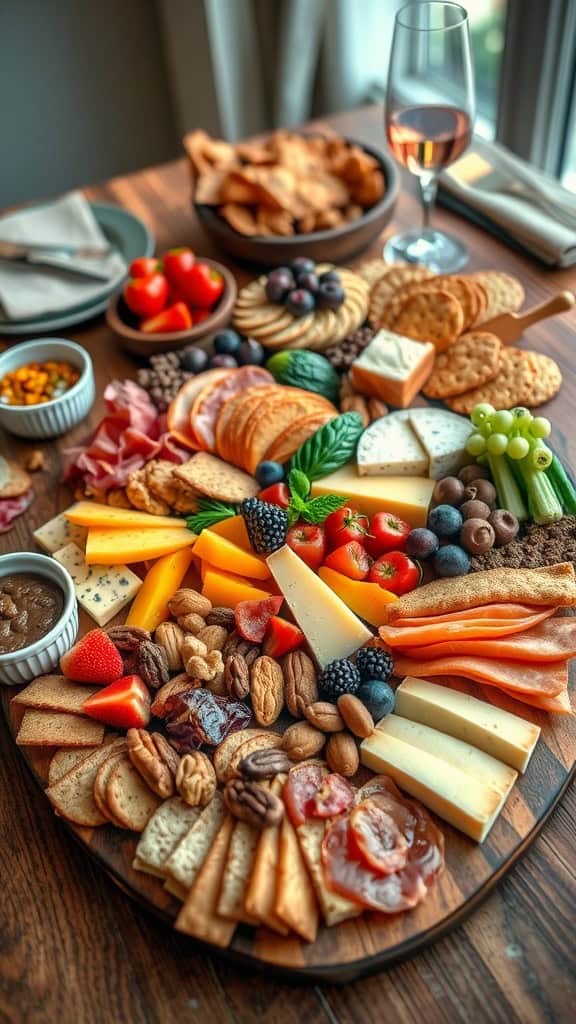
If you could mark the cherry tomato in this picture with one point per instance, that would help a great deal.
(200, 315)
(344, 525)
(146, 296)
(277, 494)
(334, 796)
(308, 542)
(203, 286)
(387, 533)
(395, 572)
(144, 266)
(376, 838)
(177, 266)
(351, 560)
(175, 318)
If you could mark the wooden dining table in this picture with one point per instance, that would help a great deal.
(75, 948)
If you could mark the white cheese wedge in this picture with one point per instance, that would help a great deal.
(443, 436)
(389, 447)
(463, 801)
(331, 629)
(101, 590)
(503, 735)
(58, 532)
(466, 758)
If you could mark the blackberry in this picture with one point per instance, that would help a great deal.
(267, 525)
(339, 677)
(373, 663)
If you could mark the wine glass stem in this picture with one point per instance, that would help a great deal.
(428, 190)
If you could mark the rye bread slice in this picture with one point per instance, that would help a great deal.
(67, 757)
(55, 693)
(41, 728)
(128, 797)
(101, 782)
(73, 795)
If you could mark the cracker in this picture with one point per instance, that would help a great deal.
(239, 864)
(262, 331)
(72, 796)
(512, 385)
(259, 316)
(101, 782)
(217, 479)
(265, 741)
(240, 218)
(55, 693)
(128, 797)
(470, 362)
(295, 902)
(481, 298)
(393, 307)
(41, 728)
(286, 334)
(199, 916)
(505, 293)
(187, 857)
(167, 826)
(65, 759)
(228, 746)
(462, 290)
(261, 891)
(547, 379)
(434, 316)
(14, 481)
(385, 288)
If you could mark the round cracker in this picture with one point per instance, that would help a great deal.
(471, 361)
(385, 288)
(547, 379)
(511, 386)
(16, 481)
(128, 797)
(287, 333)
(100, 783)
(505, 293)
(263, 741)
(462, 290)
(259, 316)
(228, 746)
(373, 270)
(434, 316)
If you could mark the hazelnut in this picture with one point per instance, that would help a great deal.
(481, 489)
(475, 509)
(477, 536)
(505, 526)
(473, 472)
(449, 491)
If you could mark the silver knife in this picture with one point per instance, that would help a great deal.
(15, 250)
(88, 273)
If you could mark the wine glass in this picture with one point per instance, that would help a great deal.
(429, 117)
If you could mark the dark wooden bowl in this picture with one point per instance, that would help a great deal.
(125, 324)
(335, 245)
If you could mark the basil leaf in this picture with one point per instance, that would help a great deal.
(317, 510)
(299, 484)
(330, 447)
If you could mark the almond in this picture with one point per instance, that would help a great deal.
(300, 687)
(266, 689)
(356, 715)
(186, 600)
(342, 754)
(324, 716)
(302, 740)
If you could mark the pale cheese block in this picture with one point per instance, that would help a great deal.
(464, 802)
(443, 436)
(331, 629)
(186, 859)
(467, 758)
(102, 590)
(393, 368)
(408, 497)
(167, 826)
(503, 735)
(58, 532)
(389, 447)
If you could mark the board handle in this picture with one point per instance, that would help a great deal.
(550, 307)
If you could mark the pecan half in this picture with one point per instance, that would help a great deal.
(221, 617)
(152, 664)
(196, 779)
(237, 676)
(264, 764)
(128, 638)
(253, 804)
(300, 686)
(235, 644)
(154, 760)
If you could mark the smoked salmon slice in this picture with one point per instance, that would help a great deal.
(517, 677)
(559, 704)
(548, 641)
(459, 629)
(499, 610)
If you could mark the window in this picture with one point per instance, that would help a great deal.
(487, 19)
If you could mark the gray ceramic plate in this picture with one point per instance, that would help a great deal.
(129, 235)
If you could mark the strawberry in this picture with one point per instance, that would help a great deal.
(124, 704)
(281, 637)
(351, 560)
(93, 659)
(276, 494)
(252, 617)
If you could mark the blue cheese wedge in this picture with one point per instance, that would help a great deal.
(101, 590)
(443, 436)
(58, 532)
(389, 447)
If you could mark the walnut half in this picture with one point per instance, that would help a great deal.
(154, 759)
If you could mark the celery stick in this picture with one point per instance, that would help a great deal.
(509, 495)
(542, 501)
(562, 485)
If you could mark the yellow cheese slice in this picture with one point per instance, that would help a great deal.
(503, 735)
(116, 547)
(90, 513)
(405, 496)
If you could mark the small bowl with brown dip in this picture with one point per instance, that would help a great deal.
(38, 616)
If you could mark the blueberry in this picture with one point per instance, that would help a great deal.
(222, 362)
(193, 360)
(251, 353)
(451, 560)
(330, 275)
(378, 697)
(227, 342)
(308, 281)
(268, 473)
(302, 265)
(280, 282)
(299, 302)
(330, 295)
(445, 520)
(421, 543)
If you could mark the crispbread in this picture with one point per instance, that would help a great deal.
(264, 741)
(41, 728)
(167, 826)
(183, 864)
(73, 794)
(335, 908)
(239, 863)
(100, 784)
(228, 746)
(55, 693)
(15, 480)
(512, 385)
(261, 892)
(549, 585)
(433, 315)
(295, 902)
(199, 917)
(470, 362)
(217, 479)
(65, 759)
(128, 797)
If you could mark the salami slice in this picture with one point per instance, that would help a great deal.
(209, 401)
(302, 784)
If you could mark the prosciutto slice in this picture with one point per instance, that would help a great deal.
(548, 641)
(11, 508)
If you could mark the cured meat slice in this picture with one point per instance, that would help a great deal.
(301, 786)
(559, 704)
(11, 508)
(498, 610)
(178, 416)
(548, 641)
(518, 677)
(209, 401)
(461, 629)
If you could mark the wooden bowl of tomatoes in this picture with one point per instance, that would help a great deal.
(170, 302)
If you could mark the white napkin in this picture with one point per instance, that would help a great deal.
(28, 291)
(528, 205)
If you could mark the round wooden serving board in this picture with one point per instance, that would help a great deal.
(372, 941)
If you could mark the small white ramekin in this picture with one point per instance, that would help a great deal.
(61, 414)
(43, 656)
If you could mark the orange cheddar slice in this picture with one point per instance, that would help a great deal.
(393, 368)
(223, 554)
(234, 530)
(106, 546)
(150, 606)
(90, 513)
(368, 600)
(226, 590)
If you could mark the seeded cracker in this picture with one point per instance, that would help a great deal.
(471, 361)
(512, 385)
(216, 479)
(434, 316)
(547, 379)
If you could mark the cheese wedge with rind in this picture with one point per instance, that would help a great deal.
(408, 497)
(389, 447)
(443, 436)
(500, 733)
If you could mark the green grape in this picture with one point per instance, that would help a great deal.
(485, 428)
(502, 421)
(481, 412)
(476, 444)
(522, 416)
(518, 448)
(540, 427)
(497, 444)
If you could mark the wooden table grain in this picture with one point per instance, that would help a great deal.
(75, 949)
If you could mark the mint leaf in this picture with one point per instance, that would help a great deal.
(209, 513)
(293, 514)
(299, 484)
(318, 509)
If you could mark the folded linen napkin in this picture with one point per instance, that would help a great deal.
(515, 200)
(28, 291)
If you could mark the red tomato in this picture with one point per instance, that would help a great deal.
(308, 542)
(334, 796)
(144, 266)
(395, 572)
(146, 296)
(277, 494)
(387, 533)
(124, 704)
(376, 838)
(200, 315)
(203, 286)
(344, 525)
(351, 560)
(175, 318)
(177, 266)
